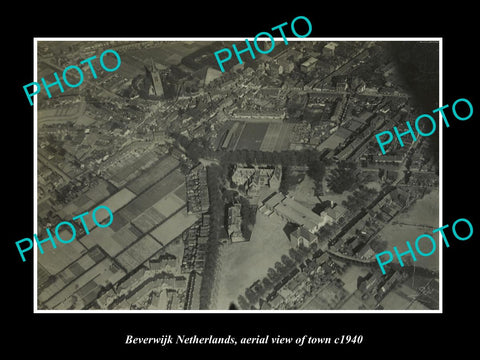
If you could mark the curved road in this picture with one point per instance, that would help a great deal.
(351, 258)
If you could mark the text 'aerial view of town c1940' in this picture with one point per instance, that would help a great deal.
(258, 188)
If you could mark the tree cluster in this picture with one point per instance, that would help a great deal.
(316, 170)
(287, 159)
(195, 148)
(360, 197)
(342, 178)
(326, 231)
(289, 179)
(248, 213)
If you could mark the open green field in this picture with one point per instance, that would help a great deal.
(276, 137)
(148, 220)
(397, 234)
(174, 226)
(108, 239)
(420, 219)
(244, 263)
(142, 202)
(54, 260)
(153, 174)
(424, 212)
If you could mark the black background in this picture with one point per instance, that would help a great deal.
(91, 335)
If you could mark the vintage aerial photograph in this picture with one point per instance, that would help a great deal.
(258, 188)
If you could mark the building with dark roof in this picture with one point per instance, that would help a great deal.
(302, 237)
(338, 138)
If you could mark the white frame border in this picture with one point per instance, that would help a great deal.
(440, 188)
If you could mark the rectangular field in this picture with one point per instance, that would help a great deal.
(115, 202)
(181, 193)
(126, 236)
(252, 136)
(152, 195)
(277, 137)
(145, 212)
(270, 140)
(97, 277)
(71, 272)
(111, 242)
(283, 140)
(153, 174)
(148, 220)
(119, 199)
(129, 170)
(135, 255)
(173, 227)
(246, 262)
(234, 134)
(169, 205)
(54, 260)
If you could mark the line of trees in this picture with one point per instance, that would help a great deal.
(342, 178)
(284, 158)
(316, 171)
(216, 228)
(199, 148)
(274, 276)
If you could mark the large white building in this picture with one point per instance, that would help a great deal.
(291, 210)
(329, 49)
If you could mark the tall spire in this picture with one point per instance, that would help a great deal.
(157, 81)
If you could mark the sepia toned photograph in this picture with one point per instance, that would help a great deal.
(257, 188)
